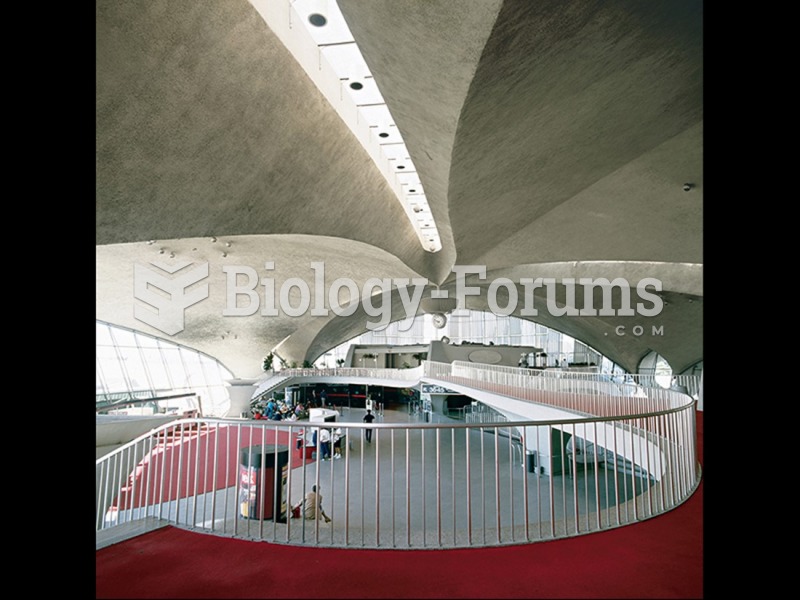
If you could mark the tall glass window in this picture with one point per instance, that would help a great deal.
(655, 364)
(130, 362)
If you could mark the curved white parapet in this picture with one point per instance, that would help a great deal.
(112, 431)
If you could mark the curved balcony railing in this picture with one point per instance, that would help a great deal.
(444, 484)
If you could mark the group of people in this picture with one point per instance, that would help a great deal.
(318, 400)
(278, 410)
(328, 439)
(310, 507)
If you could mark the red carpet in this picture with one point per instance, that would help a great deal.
(223, 445)
(658, 558)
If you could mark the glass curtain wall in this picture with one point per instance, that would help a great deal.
(129, 361)
(479, 327)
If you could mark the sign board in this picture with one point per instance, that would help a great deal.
(429, 388)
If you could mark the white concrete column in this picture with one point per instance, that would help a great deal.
(240, 391)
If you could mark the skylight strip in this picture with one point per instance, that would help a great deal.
(316, 34)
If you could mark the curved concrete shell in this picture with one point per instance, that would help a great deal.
(553, 140)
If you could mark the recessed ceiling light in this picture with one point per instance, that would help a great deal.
(401, 166)
(317, 20)
(411, 191)
(344, 64)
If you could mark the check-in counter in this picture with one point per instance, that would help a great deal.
(324, 415)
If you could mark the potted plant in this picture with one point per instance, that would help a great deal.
(267, 364)
(340, 362)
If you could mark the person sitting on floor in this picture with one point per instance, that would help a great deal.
(311, 506)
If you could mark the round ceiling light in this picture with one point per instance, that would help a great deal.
(317, 20)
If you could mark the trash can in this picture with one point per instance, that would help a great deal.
(258, 496)
(531, 460)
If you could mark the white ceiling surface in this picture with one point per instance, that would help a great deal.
(547, 139)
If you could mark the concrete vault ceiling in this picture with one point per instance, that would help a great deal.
(553, 140)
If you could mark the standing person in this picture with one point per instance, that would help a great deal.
(271, 408)
(323, 396)
(325, 443)
(312, 505)
(337, 443)
(368, 418)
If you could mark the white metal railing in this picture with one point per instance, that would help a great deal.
(415, 485)
(351, 372)
(687, 384)
(591, 394)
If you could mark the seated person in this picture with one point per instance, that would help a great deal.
(311, 506)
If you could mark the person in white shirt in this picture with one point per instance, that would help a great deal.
(337, 443)
(325, 443)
